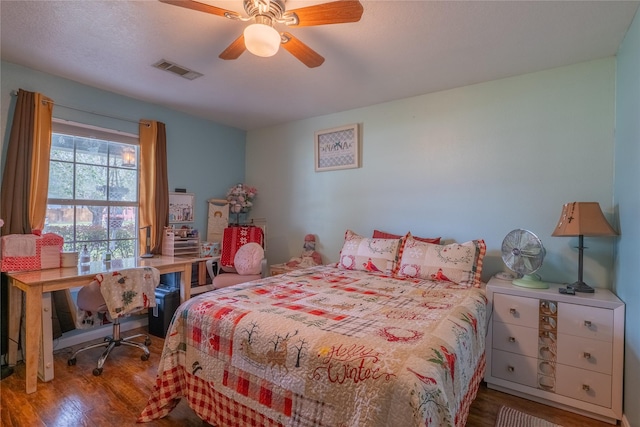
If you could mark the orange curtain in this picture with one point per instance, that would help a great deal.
(26, 174)
(154, 188)
(39, 188)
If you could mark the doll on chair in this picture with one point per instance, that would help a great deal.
(309, 256)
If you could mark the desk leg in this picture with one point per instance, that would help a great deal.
(202, 273)
(15, 313)
(185, 283)
(33, 322)
(45, 360)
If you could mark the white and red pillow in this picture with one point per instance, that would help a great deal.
(368, 254)
(459, 263)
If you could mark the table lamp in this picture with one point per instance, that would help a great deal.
(582, 219)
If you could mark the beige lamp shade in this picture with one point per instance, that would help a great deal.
(583, 219)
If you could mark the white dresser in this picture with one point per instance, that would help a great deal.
(563, 350)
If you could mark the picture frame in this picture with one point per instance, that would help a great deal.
(181, 207)
(337, 148)
(217, 219)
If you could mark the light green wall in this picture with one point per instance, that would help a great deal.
(204, 157)
(472, 162)
(627, 202)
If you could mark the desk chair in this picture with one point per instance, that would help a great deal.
(242, 257)
(119, 293)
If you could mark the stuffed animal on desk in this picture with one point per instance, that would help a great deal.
(309, 256)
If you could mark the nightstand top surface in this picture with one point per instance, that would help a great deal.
(600, 298)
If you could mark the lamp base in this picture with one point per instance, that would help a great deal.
(146, 256)
(582, 287)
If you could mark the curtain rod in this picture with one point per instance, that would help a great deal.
(15, 92)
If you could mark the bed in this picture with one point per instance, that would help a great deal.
(391, 335)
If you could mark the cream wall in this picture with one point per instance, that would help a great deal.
(472, 162)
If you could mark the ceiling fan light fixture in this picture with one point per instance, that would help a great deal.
(261, 40)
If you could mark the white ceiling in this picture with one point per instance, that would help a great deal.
(398, 49)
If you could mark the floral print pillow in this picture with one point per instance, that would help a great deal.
(459, 263)
(368, 254)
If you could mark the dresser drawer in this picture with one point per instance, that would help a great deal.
(588, 322)
(515, 339)
(561, 350)
(585, 353)
(516, 310)
(515, 368)
(588, 386)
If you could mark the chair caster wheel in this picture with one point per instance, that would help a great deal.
(147, 342)
(97, 372)
(71, 362)
(144, 357)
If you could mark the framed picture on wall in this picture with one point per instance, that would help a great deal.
(337, 148)
(181, 207)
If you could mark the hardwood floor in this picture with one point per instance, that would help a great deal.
(484, 410)
(77, 398)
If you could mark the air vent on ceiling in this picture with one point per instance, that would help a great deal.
(165, 65)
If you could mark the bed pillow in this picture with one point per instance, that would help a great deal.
(368, 254)
(460, 263)
(248, 259)
(377, 234)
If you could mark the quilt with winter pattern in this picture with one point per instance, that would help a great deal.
(325, 347)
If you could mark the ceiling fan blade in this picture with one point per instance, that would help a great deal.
(235, 49)
(336, 12)
(301, 51)
(202, 7)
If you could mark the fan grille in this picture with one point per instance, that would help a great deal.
(522, 251)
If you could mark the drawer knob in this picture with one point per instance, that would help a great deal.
(586, 355)
(512, 339)
(587, 323)
(546, 353)
(586, 387)
(512, 311)
(548, 307)
(548, 322)
(547, 336)
(511, 368)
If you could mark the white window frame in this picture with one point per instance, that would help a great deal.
(86, 131)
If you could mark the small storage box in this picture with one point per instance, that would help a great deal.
(21, 252)
(167, 302)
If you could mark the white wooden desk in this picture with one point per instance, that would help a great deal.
(38, 284)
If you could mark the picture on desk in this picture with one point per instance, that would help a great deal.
(181, 207)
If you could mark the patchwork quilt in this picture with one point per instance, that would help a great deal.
(325, 346)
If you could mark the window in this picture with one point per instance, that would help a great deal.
(93, 190)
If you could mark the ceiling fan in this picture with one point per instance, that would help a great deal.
(262, 39)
